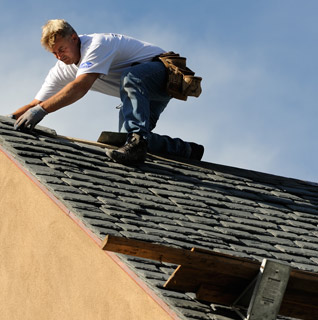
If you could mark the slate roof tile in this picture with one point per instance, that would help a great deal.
(180, 229)
(75, 205)
(284, 234)
(255, 223)
(174, 235)
(203, 220)
(97, 192)
(274, 219)
(188, 304)
(169, 193)
(62, 187)
(274, 240)
(298, 251)
(236, 233)
(177, 186)
(138, 222)
(307, 245)
(143, 203)
(270, 207)
(97, 214)
(179, 244)
(32, 148)
(295, 230)
(104, 176)
(142, 236)
(219, 236)
(154, 199)
(242, 201)
(306, 217)
(75, 197)
(285, 257)
(259, 245)
(153, 275)
(252, 251)
(103, 224)
(300, 190)
(234, 253)
(246, 228)
(304, 225)
(207, 244)
(48, 180)
(120, 213)
(273, 212)
(131, 188)
(303, 207)
(143, 183)
(239, 212)
(245, 194)
(224, 212)
(305, 267)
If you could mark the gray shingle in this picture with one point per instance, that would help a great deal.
(298, 251)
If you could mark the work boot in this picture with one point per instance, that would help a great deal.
(134, 150)
(197, 151)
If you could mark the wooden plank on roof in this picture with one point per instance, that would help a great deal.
(198, 259)
(143, 249)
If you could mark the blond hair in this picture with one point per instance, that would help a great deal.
(54, 28)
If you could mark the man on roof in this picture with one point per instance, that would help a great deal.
(115, 65)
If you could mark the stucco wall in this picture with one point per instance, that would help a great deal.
(51, 269)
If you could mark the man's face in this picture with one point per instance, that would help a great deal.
(67, 49)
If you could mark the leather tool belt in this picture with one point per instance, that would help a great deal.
(181, 82)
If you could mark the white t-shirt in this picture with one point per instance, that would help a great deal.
(108, 54)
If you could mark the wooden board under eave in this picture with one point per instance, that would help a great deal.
(220, 287)
(220, 278)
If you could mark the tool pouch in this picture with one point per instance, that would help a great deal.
(181, 81)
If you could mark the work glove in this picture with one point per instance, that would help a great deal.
(30, 118)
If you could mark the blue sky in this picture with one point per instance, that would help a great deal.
(258, 60)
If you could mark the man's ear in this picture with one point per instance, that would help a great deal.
(74, 37)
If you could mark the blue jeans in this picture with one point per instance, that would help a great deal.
(144, 98)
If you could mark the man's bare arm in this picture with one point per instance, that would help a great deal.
(31, 114)
(72, 92)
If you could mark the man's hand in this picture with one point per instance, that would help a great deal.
(30, 118)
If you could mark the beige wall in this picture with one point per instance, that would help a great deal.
(51, 269)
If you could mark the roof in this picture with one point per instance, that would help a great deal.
(176, 203)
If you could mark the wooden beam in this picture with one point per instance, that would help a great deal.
(196, 259)
(142, 249)
(219, 287)
(83, 141)
(220, 278)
